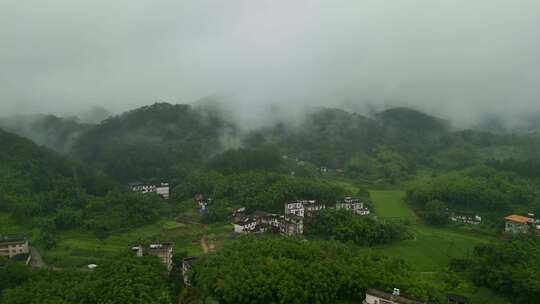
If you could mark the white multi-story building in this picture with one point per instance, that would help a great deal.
(518, 224)
(163, 250)
(162, 189)
(303, 208)
(291, 225)
(11, 246)
(354, 205)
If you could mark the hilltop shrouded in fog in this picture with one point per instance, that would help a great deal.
(462, 60)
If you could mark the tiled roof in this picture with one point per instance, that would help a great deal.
(517, 218)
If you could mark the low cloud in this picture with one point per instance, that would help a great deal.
(459, 59)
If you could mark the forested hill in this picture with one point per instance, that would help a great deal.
(166, 141)
(161, 140)
(58, 133)
(27, 169)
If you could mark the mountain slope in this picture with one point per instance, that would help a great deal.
(27, 169)
(57, 133)
(157, 141)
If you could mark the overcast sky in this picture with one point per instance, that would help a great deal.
(461, 58)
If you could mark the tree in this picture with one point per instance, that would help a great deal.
(435, 213)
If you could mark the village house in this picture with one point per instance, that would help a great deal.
(303, 208)
(245, 224)
(354, 205)
(238, 213)
(11, 246)
(296, 208)
(464, 217)
(187, 263)
(258, 221)
(291, 225)
(520, 224)
(202, 202)
(163, 250)
(269, 221)
(162, 189)
(375, 296)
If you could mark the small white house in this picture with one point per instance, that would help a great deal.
(162, 189)
(354, 205)
(295, 208)
(303, 208)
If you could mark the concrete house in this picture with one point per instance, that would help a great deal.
(518, 224)
(258, 221)
(291, 225)
(162, 189)
(245, 224)
(11, 246)
(375, 296)
(163, 250)
(303, 208)
(187, 263)
(295, 208)
(238, 214)
(354, 205)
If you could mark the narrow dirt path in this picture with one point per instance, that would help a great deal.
(206, 245)
(37, 260)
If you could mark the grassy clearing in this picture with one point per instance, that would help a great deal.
(432, 248)
(79, 248)
(390, 204)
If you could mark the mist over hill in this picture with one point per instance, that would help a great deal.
(167, 141)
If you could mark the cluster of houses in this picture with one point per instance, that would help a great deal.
(292, 221)
(514, 224)
(464, 217)
(161, 189)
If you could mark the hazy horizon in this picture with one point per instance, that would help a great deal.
(460, 60)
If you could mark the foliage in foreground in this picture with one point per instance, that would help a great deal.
(511, 268)
(288, 270)
(126, 280)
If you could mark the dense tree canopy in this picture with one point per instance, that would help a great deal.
(256, 190)
(42, 189)
(159, 141)
(128, 279)
(511, 268)
(478, 189)
(343, 225)
(287, 270)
